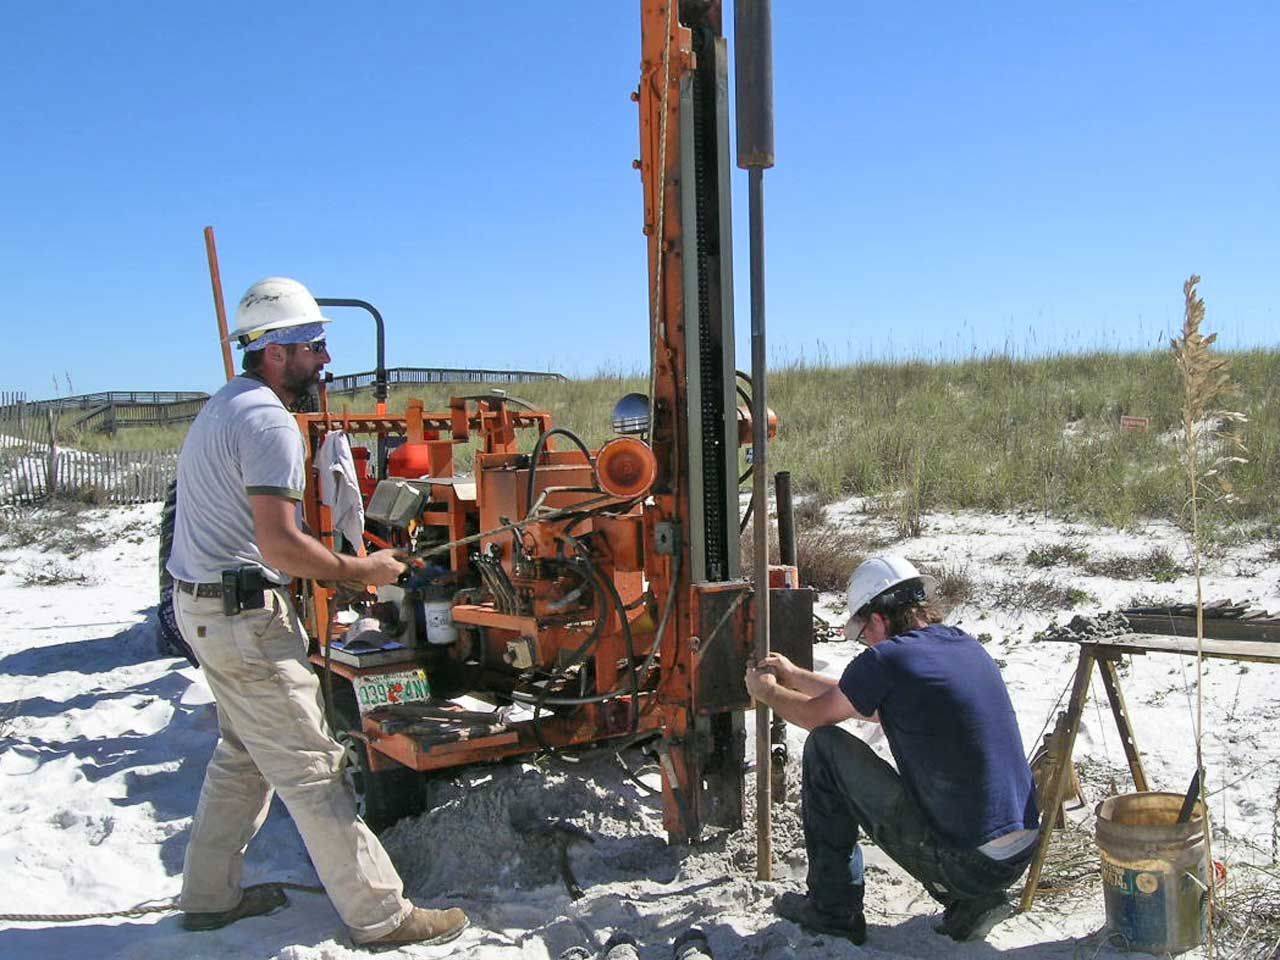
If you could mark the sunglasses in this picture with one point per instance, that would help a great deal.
(315, 346)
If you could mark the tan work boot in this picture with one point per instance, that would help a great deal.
(424, 926)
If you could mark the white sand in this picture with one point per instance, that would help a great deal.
(107, 744)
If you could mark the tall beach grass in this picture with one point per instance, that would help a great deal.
(994, 433)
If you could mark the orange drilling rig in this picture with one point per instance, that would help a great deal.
(577, 596)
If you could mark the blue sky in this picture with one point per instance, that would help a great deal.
(949, 178)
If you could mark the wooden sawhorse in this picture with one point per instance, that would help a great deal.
(1105, 652)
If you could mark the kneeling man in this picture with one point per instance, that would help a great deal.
(959, 813)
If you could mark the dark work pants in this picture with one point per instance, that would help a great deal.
(846, 787)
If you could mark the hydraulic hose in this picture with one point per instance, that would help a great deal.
(537, 452)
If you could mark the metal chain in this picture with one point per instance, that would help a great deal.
(167, 906)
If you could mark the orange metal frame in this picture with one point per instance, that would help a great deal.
(633, 549)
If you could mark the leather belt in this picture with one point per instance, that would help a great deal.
(199, 590)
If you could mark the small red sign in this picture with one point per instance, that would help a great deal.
(1138, 424)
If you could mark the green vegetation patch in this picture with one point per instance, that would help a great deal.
(992, 434)
(1057, 554)
(1157, 565)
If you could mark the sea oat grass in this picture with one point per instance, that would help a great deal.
(1206, 384)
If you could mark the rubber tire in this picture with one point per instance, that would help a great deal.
(384, 797)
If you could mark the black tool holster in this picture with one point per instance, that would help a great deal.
(243, 589)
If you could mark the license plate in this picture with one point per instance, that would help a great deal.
(405, 686)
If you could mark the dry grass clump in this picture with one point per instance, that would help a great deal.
(1157, 565)
(825, 554)
(1065, 553)
(53, 574)
(808, 512)
(955, 585)
(54, 527)
(1036, 594)
(1071, 863)
(1247, 914)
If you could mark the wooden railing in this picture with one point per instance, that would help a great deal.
(350, 382)
(111, 417)
(84, 401)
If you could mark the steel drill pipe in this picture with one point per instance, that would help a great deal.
(753, 60)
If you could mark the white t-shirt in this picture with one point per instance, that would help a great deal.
(243, 442)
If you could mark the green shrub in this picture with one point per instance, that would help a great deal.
(1056, 554)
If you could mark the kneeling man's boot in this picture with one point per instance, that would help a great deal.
(424, 926)
(691, 945)
(801, 909)
(973, 919)
(621, 946)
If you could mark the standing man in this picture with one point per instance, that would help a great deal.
(242, 474)
(959, 813)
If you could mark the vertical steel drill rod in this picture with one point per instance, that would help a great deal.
(760, 497)
(753, 55)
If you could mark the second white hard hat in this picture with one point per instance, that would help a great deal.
(273, 304)
(878, 575)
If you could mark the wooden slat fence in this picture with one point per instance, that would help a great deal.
(29, 475)
(21, 423)
(34, 468)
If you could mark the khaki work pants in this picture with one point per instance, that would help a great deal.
(270, 717)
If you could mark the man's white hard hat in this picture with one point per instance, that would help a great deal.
(273, 304)
(878, 575)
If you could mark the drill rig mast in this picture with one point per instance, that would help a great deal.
(684, 136)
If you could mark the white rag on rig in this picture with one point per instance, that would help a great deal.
(339, 489)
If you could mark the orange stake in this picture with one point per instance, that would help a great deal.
(215, 277)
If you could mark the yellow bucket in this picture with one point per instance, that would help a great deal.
(1155, 871)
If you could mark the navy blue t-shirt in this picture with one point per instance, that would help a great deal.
(947, 715)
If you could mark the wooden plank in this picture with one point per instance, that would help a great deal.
(1139, 643)
(1058, 783)
(1254, 628)
(29, 474)
(1111, 681)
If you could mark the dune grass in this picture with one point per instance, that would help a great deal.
(1002, 434)
(126, 439)
(994, 433)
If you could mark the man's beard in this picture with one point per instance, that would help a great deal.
(299, 382)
